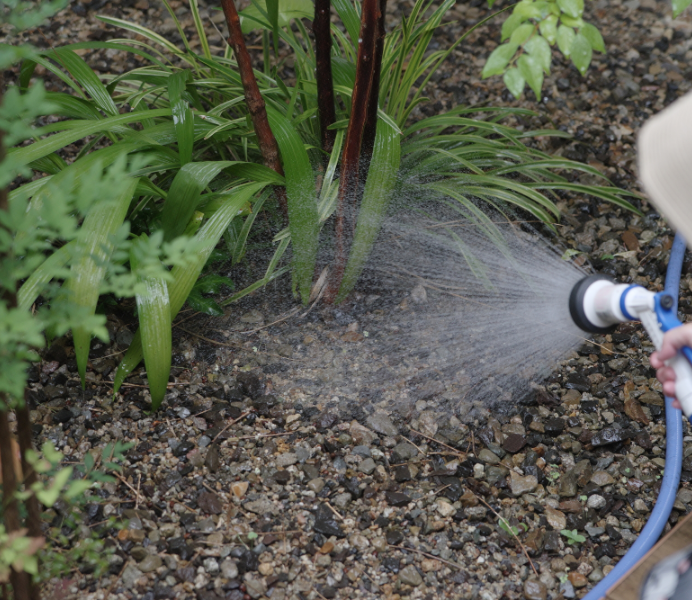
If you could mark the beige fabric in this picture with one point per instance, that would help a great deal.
(665, 164)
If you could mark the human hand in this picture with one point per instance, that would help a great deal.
(673, 340)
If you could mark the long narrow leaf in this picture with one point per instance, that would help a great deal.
(184, 277)
(183, 119)
(302, 202)
(183, 196)
(379, 186)
(154, 311)
(33, 286)
(95, 246)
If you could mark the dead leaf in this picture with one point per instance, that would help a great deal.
(635, 412)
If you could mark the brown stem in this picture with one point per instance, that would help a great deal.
(323, 57)
(373, 103)
(350, 182)
(20, 580)
(33, 521)
(255, 103)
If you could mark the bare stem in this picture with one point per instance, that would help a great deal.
(255, 103)
(325, 87)
(350, 182)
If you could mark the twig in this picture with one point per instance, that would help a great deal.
(454, 450)
(338, 516)
(417, 447)
(511, 530)
(133, 490)
(253, 98)
(139, 481)
(288, 315)
(442, 560)
(112, 585)
(245, 414)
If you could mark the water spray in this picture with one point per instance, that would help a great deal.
(597, 305)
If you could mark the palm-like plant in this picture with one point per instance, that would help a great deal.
(209, 128)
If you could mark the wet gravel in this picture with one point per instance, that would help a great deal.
(273, 471)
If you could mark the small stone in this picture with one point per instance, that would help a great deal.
(211, 565)
(602, 478)
(522, 485)
(596, 502)
(513, 443)
(397, 498)
(568, 485)
(419, 295)
(326, 522)
(403, 452)
(212, 460)
(229, 569)
(210, 503)
(367, 466)
(577, 579)
(261, 506)
(252, 317)
(150, 563)
(381, 423)
(489, 457)
(476, 513)
(640, 506)
(535, 590)
(316, 485)
(342, 500)
(556, 519)
(255, 586)
(239, 488)
(651, 398)
(409, 575)
(130, 576)
(444, 507)
(265, 569)
(361, 434)
(286, 459)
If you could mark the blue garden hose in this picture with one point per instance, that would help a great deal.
(671, 478)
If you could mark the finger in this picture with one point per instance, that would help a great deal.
(665, 374)
(669, 389)
(655, 361)
(673, 340)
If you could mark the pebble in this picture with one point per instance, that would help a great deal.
(596, 502)
(522, 485)
(410, 576)
(535, 590)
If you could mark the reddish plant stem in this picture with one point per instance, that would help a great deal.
(325, 86)
(371, 122)
(33, 520)
(350, 181)
(20, 580)
(255, 103)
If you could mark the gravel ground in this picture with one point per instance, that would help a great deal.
(272, 472)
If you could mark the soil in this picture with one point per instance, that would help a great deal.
(271, 473)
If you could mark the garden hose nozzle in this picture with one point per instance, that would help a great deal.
(597, 305)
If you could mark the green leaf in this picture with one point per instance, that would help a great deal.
(95, 245)
(521, 34)
(514, 81)
(528, 9)
(539, 49)
(532, 71)
(83, 74)
(679, 6)
(571, 22)
(565, 39)
(184, 278)
(499, 59)
(349, 17)
(594, 37)
(155, 326)
(183, 119)
(574, 8)
(28, 154)
(303, 217)
(548, 28)
(510, 24)
(49, 496)
(77, 488)
(184, 194)
(382, 178)
(252, 17)
(204, 305)
(34, 285)
(212, 284)
(273, 14)
(581, 53)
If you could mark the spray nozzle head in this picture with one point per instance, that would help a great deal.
(597, 304)
(667, 301)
